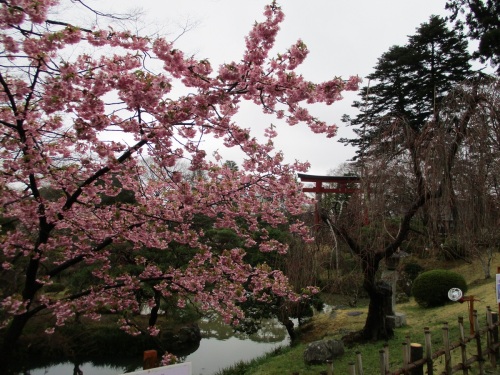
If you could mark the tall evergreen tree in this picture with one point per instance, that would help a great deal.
(398, 124)
(408, 84)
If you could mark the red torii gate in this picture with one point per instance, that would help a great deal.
(342, 186)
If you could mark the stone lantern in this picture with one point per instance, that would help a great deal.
(393, 261)
(390, 276)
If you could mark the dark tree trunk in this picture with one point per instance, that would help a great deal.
(10, 338)
(380, 305)
(376, 327)
(154, 311)
(287, 322)
(290, 329)
(14, 330)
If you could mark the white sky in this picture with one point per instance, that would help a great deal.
(344, 38)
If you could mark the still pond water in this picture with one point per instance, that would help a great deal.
(219, 348)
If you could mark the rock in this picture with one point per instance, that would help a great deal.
(354, 313)
(318, 352)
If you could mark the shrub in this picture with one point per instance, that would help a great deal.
(431, 288)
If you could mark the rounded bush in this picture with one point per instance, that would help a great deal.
(431, 288)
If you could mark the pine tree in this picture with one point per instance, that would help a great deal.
(396, 128)
(409, 83)
(482, 18)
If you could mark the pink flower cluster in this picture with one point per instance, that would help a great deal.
(122, 208)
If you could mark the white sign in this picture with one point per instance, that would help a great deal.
(498, 287)
(179, 369)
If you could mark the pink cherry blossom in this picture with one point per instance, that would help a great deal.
(81, 199)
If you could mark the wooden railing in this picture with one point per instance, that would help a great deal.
(419, 359)
(415, 358)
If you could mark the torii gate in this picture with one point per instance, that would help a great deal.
(341, 187)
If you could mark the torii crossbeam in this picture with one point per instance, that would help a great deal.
(342, 185)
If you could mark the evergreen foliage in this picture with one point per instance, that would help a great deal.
(431, 288)
(483, 22)
(409, 83)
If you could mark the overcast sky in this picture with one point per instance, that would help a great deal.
(344, 38)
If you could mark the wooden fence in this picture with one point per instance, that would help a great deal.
(417, 357)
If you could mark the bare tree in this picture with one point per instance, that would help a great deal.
(473, 232)
(413, 171)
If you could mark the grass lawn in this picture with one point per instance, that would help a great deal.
(335, 325)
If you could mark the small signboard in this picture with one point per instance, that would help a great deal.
(179, 369)
(498, 287)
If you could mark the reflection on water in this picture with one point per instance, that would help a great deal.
(271, 331)
(68, 369)
(214, 355)
(219, 348)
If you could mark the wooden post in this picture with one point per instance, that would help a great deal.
(386, 351)
(359, 363)
(470, 304)
(471, 315)
(416, 353)
(463, 348)
(406, 359)
(447, 353)
(408, 344)
(428, 351)
(494, 320)
(489, 337)
(498, 271)
(480, 359)
(352, 368)
(329, 367)
(382, 361)
(150, 359)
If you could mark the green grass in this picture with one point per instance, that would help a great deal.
(290, 360)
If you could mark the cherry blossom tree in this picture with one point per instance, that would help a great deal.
(64, 90)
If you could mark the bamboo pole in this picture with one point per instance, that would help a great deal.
(359, 363)
(406, 359)
(386, 351)
(408, 344)
(382, 357)
(494, 320)
(489, 337)
(428, 351)
(352, 368)
(480, 359)
(447, 353)
(498, 300)
(463, 347)
(329, 367)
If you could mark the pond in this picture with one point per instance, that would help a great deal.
(219, 348)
